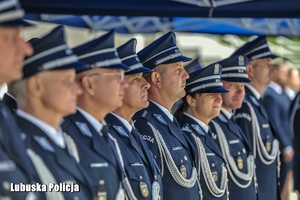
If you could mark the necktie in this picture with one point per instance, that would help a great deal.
(104, 131)
(135, 135)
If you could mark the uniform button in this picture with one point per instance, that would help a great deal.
(239, 153)
(141, 177)
(101, 182)
(76, 198)
(223, 164)
(268, 136)
(185, 158)
(6, 185)
(244, 150)
(155, 156)
(155, 177)
(213, 164)
(181, 160)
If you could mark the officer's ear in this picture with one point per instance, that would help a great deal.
(34, 86)
(155, 78)
(249, 68)
(191, 101)
(87, 85)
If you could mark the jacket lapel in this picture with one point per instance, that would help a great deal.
(163, 119)
(99, 143)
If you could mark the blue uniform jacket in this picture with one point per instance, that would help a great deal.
(60, 163)
(295, 128)
(15, 165)
(277, 107)
(139, 163)
(240, 149)
(180, 149)
(213, 153)
(96, 155)
(266, 174)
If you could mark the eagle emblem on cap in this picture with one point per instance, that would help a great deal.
(216, 69)
(241, 60)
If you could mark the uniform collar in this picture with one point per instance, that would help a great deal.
(55, 134)
(291, 93)
(277, 88)
(166, 111)
(203, 126)
(254, 91)
(226, 113)
(94, 122)
(124, 121)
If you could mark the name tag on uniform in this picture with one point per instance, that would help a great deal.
(210, 154)
(7, 165)
(234, 141)
(98, 165)
(265, 125)
(136, 164)
(176, 148)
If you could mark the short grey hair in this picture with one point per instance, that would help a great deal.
(18, 90)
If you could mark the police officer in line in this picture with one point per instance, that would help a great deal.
(200, 105)
(277, 105)
(142, 174)
(189, 68)
(253, 119)
(234, 145)
(15, 165)
(102, 83)
(172, 151)
(295, 131)
(47, 74)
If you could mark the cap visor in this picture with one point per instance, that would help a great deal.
(244, 80)
(178, 59)
(118, 66)
(18, 22)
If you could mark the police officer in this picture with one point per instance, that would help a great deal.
(48, 92)
(277, 105)
(144, 179)
(235, 147)
(102, 83)
(172, 151)
(253, 119)
(200, 105)
(15, 165)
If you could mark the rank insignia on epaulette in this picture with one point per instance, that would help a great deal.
(254, 100)
(44, 143)
(183, 171)
(144, 189)
(240, 162)
(121, 130)
(160, 118)
(214, 175)
(222, 118)
(198, 129)
(84, 129)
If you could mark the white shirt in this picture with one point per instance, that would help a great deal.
(55, 134)
(166, 111)
(277, 88)
(203, 126)
(94, 122)
(291, 93)
(124, 121)
(226, 113)
(254, 91)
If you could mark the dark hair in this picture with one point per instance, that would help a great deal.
(183, 106)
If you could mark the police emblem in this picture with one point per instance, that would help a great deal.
(155, 191)
(183, 171)
(214, 175)
(240, 162)
(134, 46)
(268, 145)
(160, 118)
(241, 60)
(198, 129)
(216, 69)
(144, 189)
